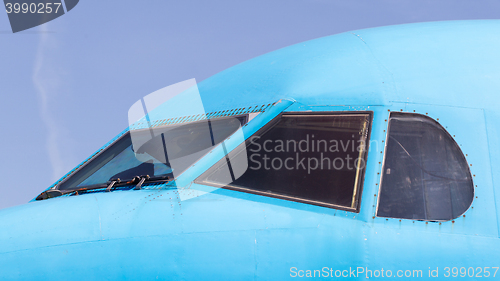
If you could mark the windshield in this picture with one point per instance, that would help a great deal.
(163, 152)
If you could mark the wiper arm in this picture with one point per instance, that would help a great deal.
(113, 184)
(51, 193)
(142, 179)
(146, 178)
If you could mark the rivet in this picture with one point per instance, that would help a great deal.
(452, 221)
(439, 223)
(464, 216)
(373, 217)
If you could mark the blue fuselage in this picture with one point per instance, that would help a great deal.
(447, 71)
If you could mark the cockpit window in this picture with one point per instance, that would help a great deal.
(122, 160)
(311, 158)
(425, 174)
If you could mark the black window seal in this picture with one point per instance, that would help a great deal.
(361, 176)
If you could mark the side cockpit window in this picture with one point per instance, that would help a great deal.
(158, 153)
(311, 158)
(425, 174)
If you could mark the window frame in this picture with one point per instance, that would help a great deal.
(360, 177)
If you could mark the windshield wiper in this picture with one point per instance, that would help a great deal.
(113, 182)
(110, 185)
(141, 179)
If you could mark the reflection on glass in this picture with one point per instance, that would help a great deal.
(316, 159)
(126, 166)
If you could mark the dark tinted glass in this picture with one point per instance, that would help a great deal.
(425, 175)
(317, 159)
(186, 144)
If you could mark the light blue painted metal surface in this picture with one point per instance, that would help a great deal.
(449, 71)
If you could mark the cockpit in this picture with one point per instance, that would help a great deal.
(277, 150)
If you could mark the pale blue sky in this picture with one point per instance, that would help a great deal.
(66, 86)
